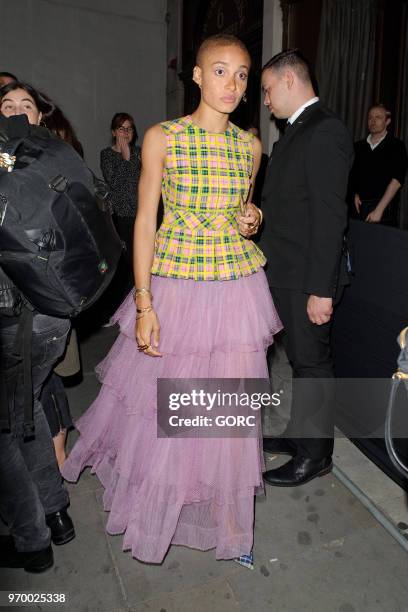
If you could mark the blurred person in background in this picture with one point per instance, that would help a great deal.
(378, 171)
(54, 398)
(6, 78)
(121, 166)
(59, 125)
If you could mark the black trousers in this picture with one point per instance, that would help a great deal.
(307, 345)
(30, 482)
(54, 402)
(123, 281)
(124, 227)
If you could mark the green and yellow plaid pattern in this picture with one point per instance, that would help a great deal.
(206, 177)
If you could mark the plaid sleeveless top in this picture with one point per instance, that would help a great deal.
(206, 176)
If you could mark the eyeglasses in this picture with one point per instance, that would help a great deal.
(125, 130)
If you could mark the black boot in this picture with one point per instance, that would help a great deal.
(34, 562)
(297, 471)
(62, 528)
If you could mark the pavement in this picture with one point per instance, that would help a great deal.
(317, 548)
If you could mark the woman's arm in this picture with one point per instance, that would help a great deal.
(153, 158)
(257, 163)
(249, 225)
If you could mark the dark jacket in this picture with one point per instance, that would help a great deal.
(304, 204)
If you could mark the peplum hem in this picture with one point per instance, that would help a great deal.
(205, 256)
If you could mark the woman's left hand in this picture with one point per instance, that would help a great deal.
(249, 224)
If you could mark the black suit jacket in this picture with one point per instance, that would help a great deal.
(304, 204)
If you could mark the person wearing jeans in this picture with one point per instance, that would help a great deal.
(33, 499)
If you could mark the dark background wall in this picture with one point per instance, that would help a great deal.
(243, 18)
(93, 57)
(301, 25)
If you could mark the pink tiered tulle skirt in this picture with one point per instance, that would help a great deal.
(196, 492)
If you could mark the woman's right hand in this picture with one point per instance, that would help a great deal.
(123, 147)
(147, 332)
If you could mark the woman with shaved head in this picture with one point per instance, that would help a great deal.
(201, 309)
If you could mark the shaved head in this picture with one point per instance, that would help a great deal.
(220, 40)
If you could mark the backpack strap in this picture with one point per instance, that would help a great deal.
(22, 351)
(23, 341)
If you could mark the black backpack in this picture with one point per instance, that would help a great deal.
(57, 239)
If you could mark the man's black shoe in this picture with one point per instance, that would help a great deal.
(297, 471)
(34, 562)
(278, 446)
(62, 528)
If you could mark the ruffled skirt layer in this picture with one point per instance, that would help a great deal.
(196, 492)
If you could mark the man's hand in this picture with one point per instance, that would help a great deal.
(374, 216)
(249, 224)
(319, 309)
(357, 202)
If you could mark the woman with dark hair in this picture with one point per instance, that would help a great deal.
(6, 78)
(120, 165)
(33, 501)
(57, 123)
(19, 98)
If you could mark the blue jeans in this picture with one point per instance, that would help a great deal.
(30, 482)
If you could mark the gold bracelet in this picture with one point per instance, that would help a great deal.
(142, 291)
(261, 215)
(144, 309)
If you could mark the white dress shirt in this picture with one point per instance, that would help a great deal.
(375, 144)
(300, 110)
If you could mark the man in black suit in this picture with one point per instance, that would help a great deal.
(304, 205)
